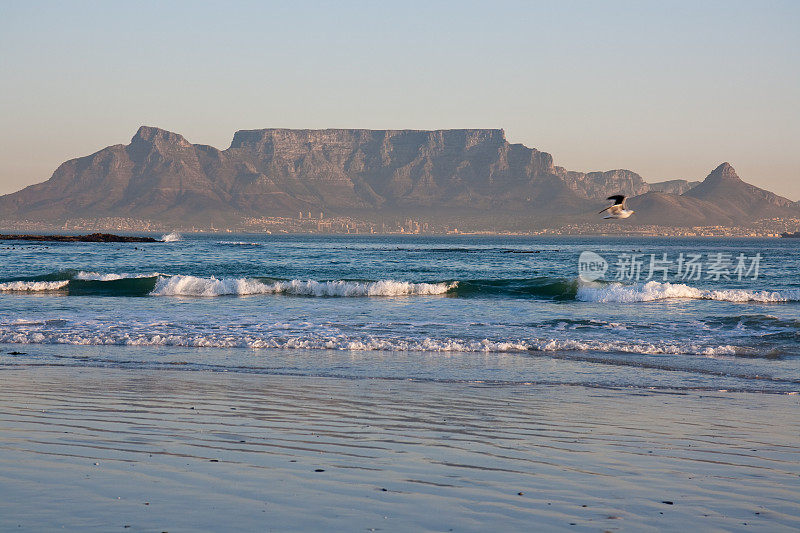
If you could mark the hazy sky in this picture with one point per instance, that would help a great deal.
(667, 89)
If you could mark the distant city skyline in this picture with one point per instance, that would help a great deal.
(667, 90)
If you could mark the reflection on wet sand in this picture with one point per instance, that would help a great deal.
(94, 448)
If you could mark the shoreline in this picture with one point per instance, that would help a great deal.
(544, 233)
(104, 448)
(456, 235)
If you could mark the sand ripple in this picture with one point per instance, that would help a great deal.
(99, 449)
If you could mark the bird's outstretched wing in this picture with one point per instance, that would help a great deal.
(618, 198)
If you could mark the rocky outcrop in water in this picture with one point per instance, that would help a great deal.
(93, 237)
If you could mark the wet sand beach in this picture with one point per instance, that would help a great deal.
(105, 449)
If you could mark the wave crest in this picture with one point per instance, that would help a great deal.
(32, 286)
(195, 286)
(75, 282)
(654, 290)
(95, 276)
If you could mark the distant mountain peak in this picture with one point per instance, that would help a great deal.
(723, 172)
(153, 135)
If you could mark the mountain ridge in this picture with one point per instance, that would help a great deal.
(471, 172)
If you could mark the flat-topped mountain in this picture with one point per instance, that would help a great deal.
(464, 173)
(160, 175)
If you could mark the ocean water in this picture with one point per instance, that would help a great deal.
(457, 308)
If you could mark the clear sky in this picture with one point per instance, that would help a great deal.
(667, 89)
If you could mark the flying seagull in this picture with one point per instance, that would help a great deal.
(618, 210)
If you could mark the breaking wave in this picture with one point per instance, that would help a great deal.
(35, 333)
(155, 284)
(73, 282)
(654, 290)
(172, 237)
(33, 286)
(95, 276)
(194, 286)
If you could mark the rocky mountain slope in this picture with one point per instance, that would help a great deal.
(278, 172)
(721, 199)
(596, 185)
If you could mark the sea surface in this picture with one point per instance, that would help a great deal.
(502, 310)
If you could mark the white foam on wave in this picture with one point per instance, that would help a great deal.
(648, 348)
(45, 286)
(172, 237)
(96, 276)
(32, 286)
(64, 333)
(196, 286)
(654, 290)
(239, 243)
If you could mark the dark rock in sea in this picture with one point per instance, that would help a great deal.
(93, 237)
(319, 470)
